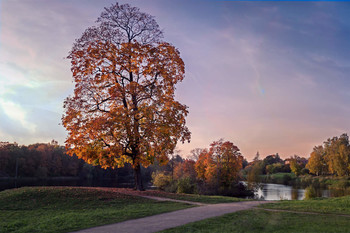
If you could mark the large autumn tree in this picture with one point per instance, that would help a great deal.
(123, 109)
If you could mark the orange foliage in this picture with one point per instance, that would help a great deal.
(123, 109)
(204, 159)
(185, 169)
(220, 165)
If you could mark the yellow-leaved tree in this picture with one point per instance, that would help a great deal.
(123, 109)
(317, 162)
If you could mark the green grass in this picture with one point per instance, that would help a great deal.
(198, 198)
(44, 209)
(278, 178)
(337, 205)
(261, 221)
(280, 175)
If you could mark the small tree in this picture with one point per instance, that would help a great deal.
(317, 164)
(123, 109)
(255, 172)
(296, 164)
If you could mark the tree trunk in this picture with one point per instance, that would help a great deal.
(138, 179)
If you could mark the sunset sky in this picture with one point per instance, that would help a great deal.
(268, 76)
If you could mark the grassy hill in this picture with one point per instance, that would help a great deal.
(65, 209)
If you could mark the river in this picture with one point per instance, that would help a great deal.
(272, 192)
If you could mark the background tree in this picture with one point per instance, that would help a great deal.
(271, 159)
(202, 163)
(123, 109)
(255, 170)
(269, 163)
(297, 164)
(185, 169)
(220, 165)
(317, 163)
(185, 176)
(195, 153)
(337, 155)
(228, 160)
(274, 168)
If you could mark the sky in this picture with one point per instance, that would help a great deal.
(269, 76)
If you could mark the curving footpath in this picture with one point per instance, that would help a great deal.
(173, 219)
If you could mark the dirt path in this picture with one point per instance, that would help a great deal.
(173, 219)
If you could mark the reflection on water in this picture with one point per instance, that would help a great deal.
(273, 192)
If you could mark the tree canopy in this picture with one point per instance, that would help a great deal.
(331, 158)
(219, 166)
(123, 109)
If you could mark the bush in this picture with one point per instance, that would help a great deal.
(241, 190)
(341, 184)
(310, 192)
(172, 187)
(185, 185)
(161, 180)
(286, 179)
(304, 171)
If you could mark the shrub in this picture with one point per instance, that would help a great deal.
(286, 179)
(185, 185)
(310, 192)
(161, 180)
(341, 184)
(171, 187)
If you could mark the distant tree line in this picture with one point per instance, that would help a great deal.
(332, 159)
(213, 170)
(46, 160)
(262, 170)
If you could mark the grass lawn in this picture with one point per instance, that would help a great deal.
(278, 178)
(197, 198)
(337, 205)
(280, 175)
(63, 209)
(261, 221)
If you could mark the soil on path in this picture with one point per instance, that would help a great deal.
(173, 219)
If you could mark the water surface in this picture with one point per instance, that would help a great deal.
(273, 192)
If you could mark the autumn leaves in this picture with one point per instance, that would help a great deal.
(123, 109)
